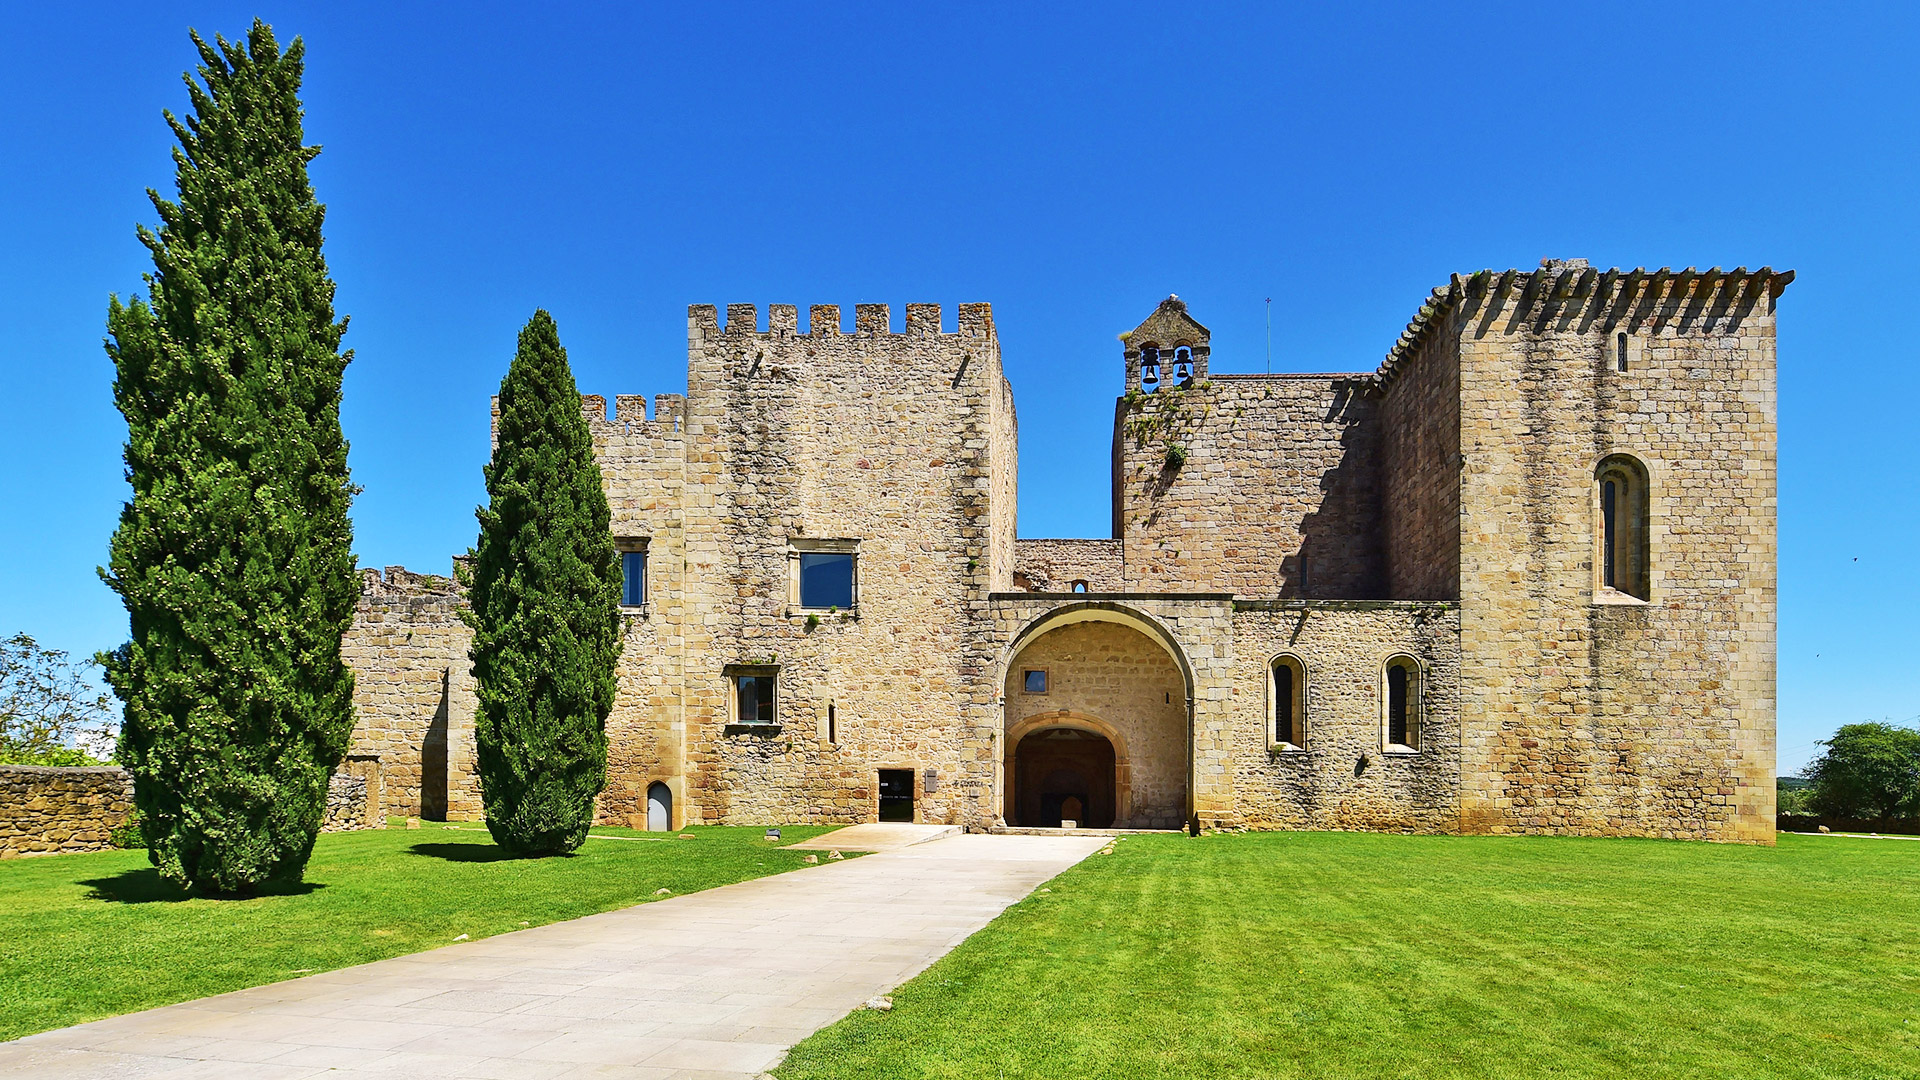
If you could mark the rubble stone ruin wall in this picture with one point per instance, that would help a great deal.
(413, 693)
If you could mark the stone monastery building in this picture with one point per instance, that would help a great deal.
(1520, 578)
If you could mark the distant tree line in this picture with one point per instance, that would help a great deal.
(1868, 771)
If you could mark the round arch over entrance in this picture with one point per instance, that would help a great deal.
(1097, 701)
(1057, 756)
(1101, 611)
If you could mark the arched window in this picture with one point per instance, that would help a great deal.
(1079, 586)
(1621, 556)
(1400, 699)
(1287, 703)
(1183, 365)
(1149, 368)
(1620, 350)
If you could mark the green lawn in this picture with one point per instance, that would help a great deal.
(1352, 955)
(86, 936)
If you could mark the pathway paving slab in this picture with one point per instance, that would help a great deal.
(716, 985)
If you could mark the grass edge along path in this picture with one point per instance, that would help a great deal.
(1365, 955)
(98, 934)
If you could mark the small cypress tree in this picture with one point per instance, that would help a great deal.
(544, 587)
(234, 555)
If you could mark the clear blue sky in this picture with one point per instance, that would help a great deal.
(1072, 166)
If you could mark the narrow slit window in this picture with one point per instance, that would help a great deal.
(832, 732)
(1620, 350)
(1609, 502)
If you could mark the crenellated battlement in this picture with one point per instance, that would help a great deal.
(630, 412)
(823, 320)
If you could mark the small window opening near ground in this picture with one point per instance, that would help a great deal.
(754, 699)
(825, 575)
(633, 574)
(1622, 561)
(1288, 694)
(1033, 681)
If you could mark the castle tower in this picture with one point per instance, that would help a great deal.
(1168, 349)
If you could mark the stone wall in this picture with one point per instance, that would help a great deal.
(1278, 495)
(1054, 565)
(1343, 776)
(413, 693)
(900, 441)
(53, 811)
(1419, 418)
(1588, 711)
(48, 811)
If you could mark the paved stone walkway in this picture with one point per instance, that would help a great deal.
(711, 986)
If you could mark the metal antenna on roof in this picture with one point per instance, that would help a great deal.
(1269, 335)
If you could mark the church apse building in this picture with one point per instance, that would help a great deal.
(1520, 578)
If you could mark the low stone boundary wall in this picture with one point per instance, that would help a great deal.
(46, 811)
(1812, 823)
(51, 811)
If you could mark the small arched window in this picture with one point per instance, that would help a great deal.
(1287, 703)
(1183, 365)
(1622, 561)
(1149, 368)
(1400, 699)
(1079, 586)
(1620, 350)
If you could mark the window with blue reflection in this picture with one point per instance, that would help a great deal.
(826, 579)
(633, 571)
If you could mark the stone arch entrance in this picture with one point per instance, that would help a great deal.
(1096, 706)
(1064, 773)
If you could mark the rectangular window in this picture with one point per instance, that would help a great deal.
(823, 575)
(826, 580)
(753, 699)
(633, 578)
(1034, 681)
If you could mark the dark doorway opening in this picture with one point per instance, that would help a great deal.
(1055, 765)
(896, 794)
(434, 751)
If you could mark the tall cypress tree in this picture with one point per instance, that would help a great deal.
(234, 554)
(544, 587)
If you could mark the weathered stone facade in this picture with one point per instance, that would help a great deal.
(1428, 549)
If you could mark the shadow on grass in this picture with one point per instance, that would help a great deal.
(148, 887)
(464, 852)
